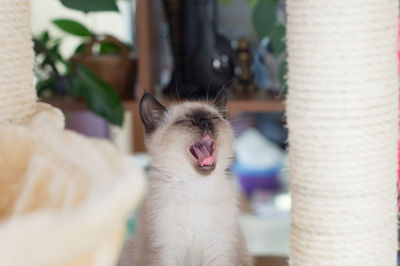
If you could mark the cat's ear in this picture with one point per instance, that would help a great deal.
(220, 101)
(151, 112)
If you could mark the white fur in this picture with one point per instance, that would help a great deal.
(187, 219)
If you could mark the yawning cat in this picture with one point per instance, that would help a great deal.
(189, 217)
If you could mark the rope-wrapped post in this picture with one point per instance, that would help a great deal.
(342, 119)
(17, 93)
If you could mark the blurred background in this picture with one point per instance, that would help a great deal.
(94, 59)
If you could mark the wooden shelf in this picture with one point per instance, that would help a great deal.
(69, 103)
(257, 103)
(271, 261)
(235, 105)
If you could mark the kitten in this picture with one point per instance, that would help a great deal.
(189, 217)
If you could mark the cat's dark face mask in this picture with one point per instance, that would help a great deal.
(203, 150)
(202, 124)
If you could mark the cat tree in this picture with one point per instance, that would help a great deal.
(343, 122)
(64, 198)
(68, 194)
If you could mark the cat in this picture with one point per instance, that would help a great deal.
(190, 215)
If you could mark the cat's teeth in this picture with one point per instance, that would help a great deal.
(208, 161)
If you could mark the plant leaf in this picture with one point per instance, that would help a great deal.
(80, 49)
(264, 16)
(282, 75)
(100, 97)
(45, 36)
(277, 42)
(38, 46)
(225, 2)
(54, 53)
(68, 68)
(91, 5)
(252, 3)
(72, 27)
(76, 87)
(108, 48)
(46, 84)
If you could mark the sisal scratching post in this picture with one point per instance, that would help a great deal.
(17, 93)
(343, 119)
(64, 198)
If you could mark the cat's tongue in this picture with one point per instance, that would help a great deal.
(204, 151)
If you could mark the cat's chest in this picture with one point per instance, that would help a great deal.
(194, 229)
(192, 213)
(194, 218)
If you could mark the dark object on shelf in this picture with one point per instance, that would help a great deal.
(245, 82)
(203, 59)
(118, 70)
(62, 85)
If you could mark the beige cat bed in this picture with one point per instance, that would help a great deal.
(64, 198)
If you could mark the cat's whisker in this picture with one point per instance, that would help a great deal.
(177, 93)
(208, 90)
(228, 82)
(191, 92)
(237, 119)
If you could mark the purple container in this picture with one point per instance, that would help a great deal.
(250, 184)
(87, 123)
(251, 180)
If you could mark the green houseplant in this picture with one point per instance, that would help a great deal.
(55, 74)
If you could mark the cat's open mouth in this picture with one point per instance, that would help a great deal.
(203, 152)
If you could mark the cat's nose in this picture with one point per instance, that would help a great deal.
(204, 123)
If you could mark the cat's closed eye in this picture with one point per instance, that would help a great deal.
(183, 121)
(216, 118)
